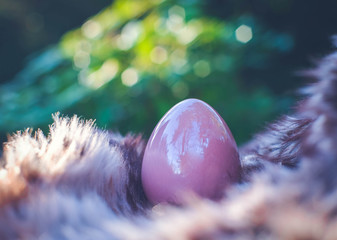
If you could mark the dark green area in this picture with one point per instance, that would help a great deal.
(132, 61)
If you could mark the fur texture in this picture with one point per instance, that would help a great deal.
(80, 182)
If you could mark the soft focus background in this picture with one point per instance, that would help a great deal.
(126, 62)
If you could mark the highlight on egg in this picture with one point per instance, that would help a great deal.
(190, 150)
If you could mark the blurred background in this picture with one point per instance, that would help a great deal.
(126, 62)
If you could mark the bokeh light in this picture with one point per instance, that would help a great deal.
(244, 33)
(130, 77)
(202, 68)
(103, 75)
(158, 55)
(91, 29)
(129, 35)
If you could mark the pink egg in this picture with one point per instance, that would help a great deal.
(190, 150)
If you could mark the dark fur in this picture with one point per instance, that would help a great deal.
(84, 183)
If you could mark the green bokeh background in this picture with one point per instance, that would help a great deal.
(130, 62)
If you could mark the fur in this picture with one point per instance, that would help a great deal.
(80, 182)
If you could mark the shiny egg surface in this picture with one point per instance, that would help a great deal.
(190, 150)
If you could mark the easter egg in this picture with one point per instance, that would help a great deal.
(190, 150)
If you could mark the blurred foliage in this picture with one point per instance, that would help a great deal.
(27, 26)
(134, 60)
